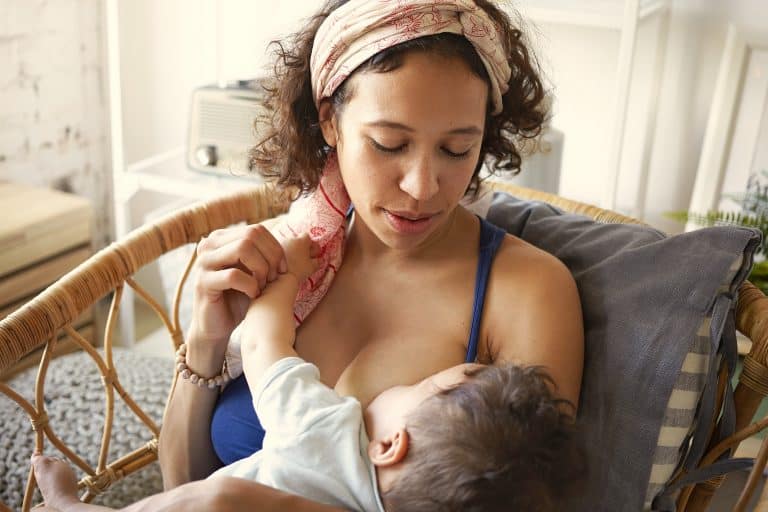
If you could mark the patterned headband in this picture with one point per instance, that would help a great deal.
(360, 29)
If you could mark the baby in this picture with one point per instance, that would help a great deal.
(471, 437)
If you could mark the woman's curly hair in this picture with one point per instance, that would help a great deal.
(291, 147)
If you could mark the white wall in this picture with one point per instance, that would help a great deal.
(749, 14)
(52, 100)
(159, 52)
(582, 64)
(169, 47)
(53, 107)
(247, 27)
(697, 36)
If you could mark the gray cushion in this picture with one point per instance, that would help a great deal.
(75, 401)
(644, 296)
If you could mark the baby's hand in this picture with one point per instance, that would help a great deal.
(301, 253)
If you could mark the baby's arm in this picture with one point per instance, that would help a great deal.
(269, 328)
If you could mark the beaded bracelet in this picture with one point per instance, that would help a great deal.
(183, 370)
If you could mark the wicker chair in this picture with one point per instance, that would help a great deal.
(39, 322)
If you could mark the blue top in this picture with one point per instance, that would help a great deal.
(235, 429)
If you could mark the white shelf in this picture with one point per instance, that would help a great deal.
(589, 13)
(172, 176)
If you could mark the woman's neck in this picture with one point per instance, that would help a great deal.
(453, 233)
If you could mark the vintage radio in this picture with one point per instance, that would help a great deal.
(221, 128)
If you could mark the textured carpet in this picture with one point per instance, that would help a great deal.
(76, 404)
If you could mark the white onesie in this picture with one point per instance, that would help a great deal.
(315, 444)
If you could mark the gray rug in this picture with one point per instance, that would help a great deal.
(75, 400)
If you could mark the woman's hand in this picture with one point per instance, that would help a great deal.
(235, 265)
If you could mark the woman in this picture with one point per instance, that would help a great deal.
(406, 99)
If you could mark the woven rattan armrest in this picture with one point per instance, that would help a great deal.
(38, 323)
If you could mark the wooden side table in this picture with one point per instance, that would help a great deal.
(43, 234)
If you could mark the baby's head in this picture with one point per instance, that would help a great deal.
(474, 438)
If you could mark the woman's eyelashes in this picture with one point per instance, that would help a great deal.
(451, 154)
(387, 149)
(399, 148)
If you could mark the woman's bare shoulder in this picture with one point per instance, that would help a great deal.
(530, 265)
(533, 314)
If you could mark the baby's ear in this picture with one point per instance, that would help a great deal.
(390, 450)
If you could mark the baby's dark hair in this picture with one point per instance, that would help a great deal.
(499, 441)
(291, 148)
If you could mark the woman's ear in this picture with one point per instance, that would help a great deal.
(390, 450)
(328, 123)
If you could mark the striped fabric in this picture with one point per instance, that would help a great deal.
(679, 420)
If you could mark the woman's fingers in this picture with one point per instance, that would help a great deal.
(255, 232)
(270, 249)
(238, 254)
(219, 281)
(223, 236)
(251, 247)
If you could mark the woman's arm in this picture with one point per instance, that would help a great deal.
(226, 494)
(534, 315)
(239, 495)
(234, 266)
(185, 449)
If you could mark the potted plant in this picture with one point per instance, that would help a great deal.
(753, 214)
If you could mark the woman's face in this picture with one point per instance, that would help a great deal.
(408, 142)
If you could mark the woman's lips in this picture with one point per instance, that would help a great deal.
(409, 223)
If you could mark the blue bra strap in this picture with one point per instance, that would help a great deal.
(490, 240)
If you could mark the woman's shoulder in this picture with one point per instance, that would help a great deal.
(533, 314)
(528, 269)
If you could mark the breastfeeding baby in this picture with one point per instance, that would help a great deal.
(471, 437)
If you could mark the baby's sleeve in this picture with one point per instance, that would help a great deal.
(291, 400)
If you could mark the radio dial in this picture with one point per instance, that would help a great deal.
(206, 155)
